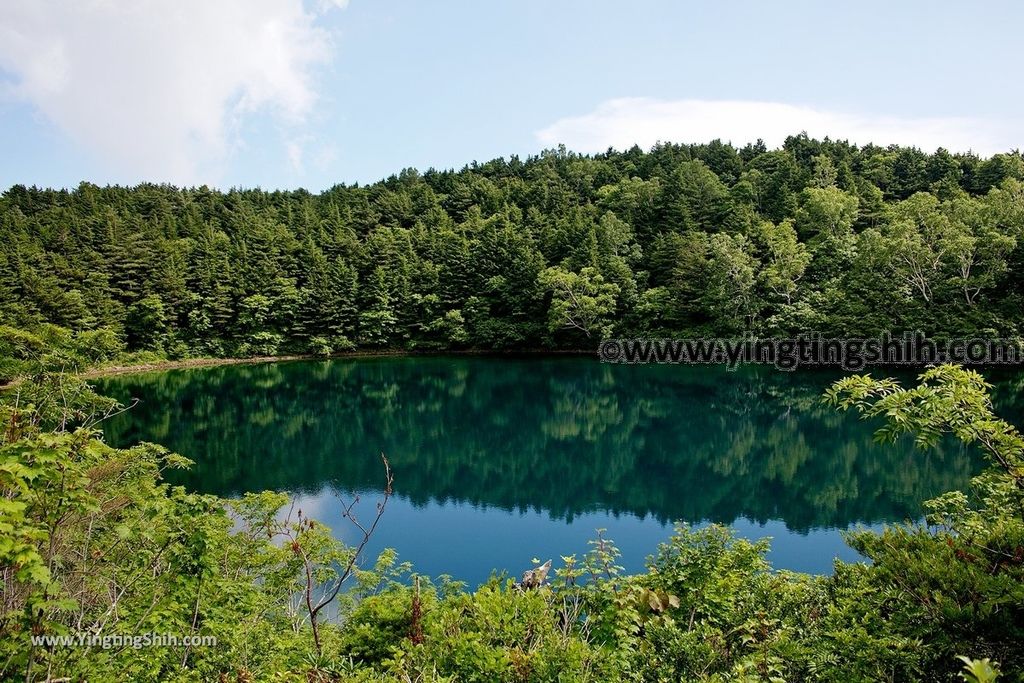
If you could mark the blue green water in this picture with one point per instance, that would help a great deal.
(498, 460)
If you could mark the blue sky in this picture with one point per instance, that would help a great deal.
(286, 93)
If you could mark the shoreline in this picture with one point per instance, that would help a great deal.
(188, 363)
(209, 362)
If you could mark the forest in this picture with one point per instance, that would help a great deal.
(551, 252)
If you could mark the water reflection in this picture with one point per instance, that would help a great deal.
(557, 438)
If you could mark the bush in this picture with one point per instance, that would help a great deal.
(261, 344)
(98, 346)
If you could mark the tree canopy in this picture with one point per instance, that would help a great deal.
(547, 252)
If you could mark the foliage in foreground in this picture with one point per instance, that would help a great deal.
(93, 542)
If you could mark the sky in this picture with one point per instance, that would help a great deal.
(282, 94)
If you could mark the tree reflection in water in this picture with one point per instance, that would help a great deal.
(565, 436)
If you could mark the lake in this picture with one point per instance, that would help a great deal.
(498, 460)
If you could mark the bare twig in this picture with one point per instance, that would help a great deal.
(367, 532)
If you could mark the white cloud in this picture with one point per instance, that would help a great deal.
(621, 123)
(158, 89)
(325, 5)
(305, 151)
(295, 150)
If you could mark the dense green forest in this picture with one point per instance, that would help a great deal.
(550, 252)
